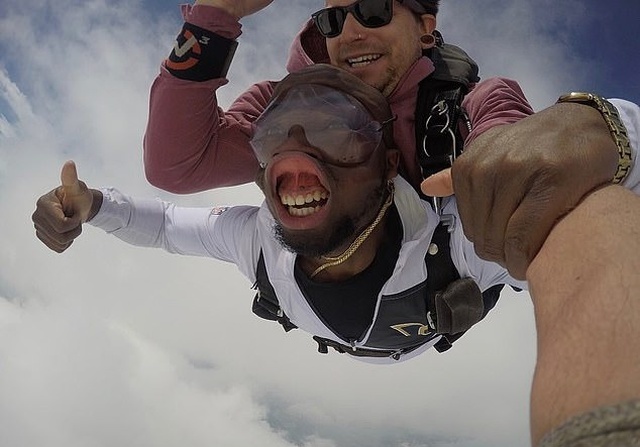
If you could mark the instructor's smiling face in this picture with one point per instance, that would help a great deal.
(379, 56)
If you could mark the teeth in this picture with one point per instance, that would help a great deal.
(363, 60)
(294, 202)
(302, 212)
(291, 200)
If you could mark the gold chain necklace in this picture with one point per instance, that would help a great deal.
(337, 260)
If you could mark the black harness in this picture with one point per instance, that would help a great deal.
(424, 304)
(444, 305)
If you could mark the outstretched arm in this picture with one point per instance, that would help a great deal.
(585, 287)
(224, 233)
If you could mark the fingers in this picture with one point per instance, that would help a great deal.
(53, 227)
(487, 199)
(439, 184)
(529, 226)
(58, 245)
(462, 184)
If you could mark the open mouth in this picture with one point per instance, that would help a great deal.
(299, 187)
(301, 193)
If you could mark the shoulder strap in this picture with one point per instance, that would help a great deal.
(439, 119)
(265, 303)
(452, 63)
(439, 106)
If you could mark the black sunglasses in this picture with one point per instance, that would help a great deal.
(369, 13)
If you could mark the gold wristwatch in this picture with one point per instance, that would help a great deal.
(615, 124)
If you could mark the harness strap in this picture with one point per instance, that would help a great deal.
(265, 303)
(324, 344)
(437, 142)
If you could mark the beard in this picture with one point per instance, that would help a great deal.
(317, 245)
(342, 233)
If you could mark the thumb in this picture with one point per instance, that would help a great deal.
(69, 178)
(439, 184)
(71, 189)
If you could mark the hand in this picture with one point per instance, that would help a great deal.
(514, 182)
(60, 213)
(237, 8)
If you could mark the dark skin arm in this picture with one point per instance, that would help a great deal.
(585, 288)
(514, 182)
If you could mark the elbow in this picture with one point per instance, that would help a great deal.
(163, 179)
(161, 171)
(157, 178)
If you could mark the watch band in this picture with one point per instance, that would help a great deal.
(616, 127)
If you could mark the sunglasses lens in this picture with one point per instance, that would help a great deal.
(369, 13)
(329, 21)
(373, 13)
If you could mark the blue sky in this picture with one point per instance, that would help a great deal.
(610, 38)
(111, 345)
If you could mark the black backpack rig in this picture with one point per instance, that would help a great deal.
(453, 304)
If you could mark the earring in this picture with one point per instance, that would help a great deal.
(428, 40)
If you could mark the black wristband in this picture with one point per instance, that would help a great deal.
(200, 55)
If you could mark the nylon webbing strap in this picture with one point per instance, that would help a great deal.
(265, 303)
(438, 114)
(441, 272)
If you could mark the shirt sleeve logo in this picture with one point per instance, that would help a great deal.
(218, 210)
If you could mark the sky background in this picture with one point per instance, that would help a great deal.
(110, 345)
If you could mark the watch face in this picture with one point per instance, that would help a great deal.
(576, 97)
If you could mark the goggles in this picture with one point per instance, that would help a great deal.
(341, 128)
(369, 13)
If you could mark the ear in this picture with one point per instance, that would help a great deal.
(393, 161)
(427, 24)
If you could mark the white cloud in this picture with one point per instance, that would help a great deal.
(112, 345)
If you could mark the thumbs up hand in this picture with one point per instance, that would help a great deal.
(60, 213)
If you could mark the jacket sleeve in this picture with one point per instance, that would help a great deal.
(224, 233)
(493, 102)
(191, 144)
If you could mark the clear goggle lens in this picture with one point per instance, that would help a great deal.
(334, 123)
